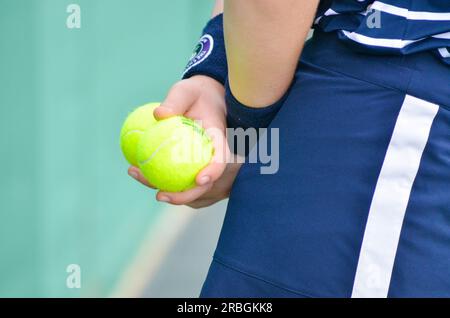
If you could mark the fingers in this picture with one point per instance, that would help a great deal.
(184, 99)
(179, 198)
(178, 101)
(215, 169)
(176, 198)
(136, 174)
(210, 173)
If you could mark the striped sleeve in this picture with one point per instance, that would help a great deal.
(389, 26)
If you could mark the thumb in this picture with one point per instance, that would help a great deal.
(178, 101)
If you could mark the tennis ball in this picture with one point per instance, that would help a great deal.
(172, 152)
(133, 128)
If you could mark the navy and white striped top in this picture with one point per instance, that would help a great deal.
(389, 26)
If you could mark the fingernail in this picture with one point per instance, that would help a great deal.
(164, 199)
(133, 174)
(204, 180)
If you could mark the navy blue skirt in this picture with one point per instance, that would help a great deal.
(360, 205)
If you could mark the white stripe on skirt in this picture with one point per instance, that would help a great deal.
(391, 197)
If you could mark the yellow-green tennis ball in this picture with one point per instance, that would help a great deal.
(172, 152)
(133, 128)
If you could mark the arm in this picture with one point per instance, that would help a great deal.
(200, 97)
(264, 39)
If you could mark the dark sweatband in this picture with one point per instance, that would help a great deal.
(209, 57)
(242, 116)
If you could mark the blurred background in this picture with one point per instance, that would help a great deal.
(67, 205)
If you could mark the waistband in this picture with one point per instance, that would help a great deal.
(421, 75)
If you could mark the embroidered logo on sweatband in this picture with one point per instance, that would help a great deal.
(209, 57)
(202, 51)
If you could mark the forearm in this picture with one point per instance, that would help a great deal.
(264, 39)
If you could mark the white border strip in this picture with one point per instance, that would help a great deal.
(391, 197)
(329, 12)
(392, 43)
(445, 36)
(398, 11)
(444, 52)
(160, 239)
(410, 15)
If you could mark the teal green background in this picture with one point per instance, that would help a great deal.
(65, 196)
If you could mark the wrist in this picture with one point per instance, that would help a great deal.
(209, 83)
(209, 88)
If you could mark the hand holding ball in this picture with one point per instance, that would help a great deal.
(170, 153)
